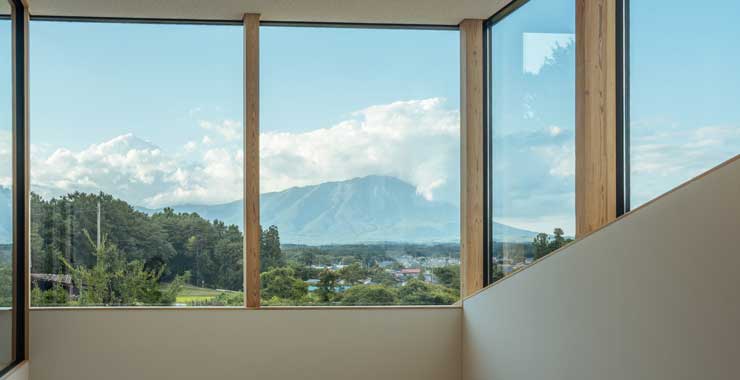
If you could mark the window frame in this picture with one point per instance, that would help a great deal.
(20, 150)
(618, 171)
(488, 48)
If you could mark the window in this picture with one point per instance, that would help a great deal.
(136, 164)
(359, 166)
(531, 117)
(6, 186)
(683, 91)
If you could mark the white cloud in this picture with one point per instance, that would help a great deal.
(190, 146)
(138, 171)
(663, 155)
(229, 129)
(416, 141)
(554, 130)
(538, 49)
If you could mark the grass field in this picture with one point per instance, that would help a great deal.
(191, 293)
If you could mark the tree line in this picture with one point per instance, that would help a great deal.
(146, 259)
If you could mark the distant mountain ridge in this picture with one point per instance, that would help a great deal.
(359, 210)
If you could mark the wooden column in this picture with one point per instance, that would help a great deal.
(596, 114)
(251, 160)
(471, 156)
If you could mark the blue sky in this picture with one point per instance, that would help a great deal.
(152, 113)
(684, 92)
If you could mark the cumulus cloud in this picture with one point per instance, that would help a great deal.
(416, 141)
(229, 129)
(140, 172)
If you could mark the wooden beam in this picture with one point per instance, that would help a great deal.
(471, 156)
(596, 115)
(252, 227)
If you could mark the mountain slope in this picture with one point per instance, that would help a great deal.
(373, 208)
(368, 209)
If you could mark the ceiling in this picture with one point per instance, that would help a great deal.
(437, 12)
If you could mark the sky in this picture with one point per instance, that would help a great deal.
(684, 92)
(153, 113)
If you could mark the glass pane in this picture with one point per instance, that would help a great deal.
(136, 164)
(6, 186)
(684, 88)
(532, 117)
(359, 163)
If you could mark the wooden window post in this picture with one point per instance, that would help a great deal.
(471, 156)
(596, 114)
(252, 228)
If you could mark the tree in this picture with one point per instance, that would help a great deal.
(496, 273)
(282, 283)
(271, 256)
(370, 295)
(559, 241)
(327, 285)
(307, 257)
(353, 274)
(55, 296)
(380, 276)
(114, 281)
(6, 285)
(448, 276)
(541, 245)
(417, 292)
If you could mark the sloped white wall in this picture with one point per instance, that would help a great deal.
(361, 344)
(655, 295)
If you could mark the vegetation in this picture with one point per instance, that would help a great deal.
(180, 258)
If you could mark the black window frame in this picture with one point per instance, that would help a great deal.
(487, 125)
(19, 131)
(622, 107)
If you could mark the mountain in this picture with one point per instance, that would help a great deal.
(367, 209)
(6, 215)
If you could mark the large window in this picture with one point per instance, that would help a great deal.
(136, 164)
(683, 88)
(531, 118)
(359, 163)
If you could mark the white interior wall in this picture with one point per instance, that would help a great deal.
(655, 295)
(357, 344)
